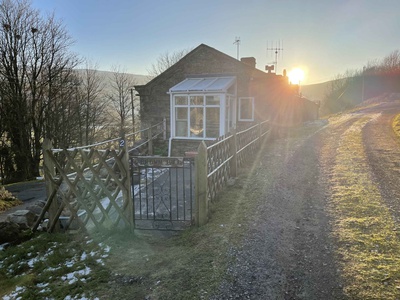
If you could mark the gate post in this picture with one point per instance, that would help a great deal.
(201, 203)
(49, 174)
(127, 191)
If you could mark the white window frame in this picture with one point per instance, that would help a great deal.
(230, 112)
(240, 107)
(221, 107)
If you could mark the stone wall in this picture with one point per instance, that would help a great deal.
(180, 147)
(270, 91)
(204, 60)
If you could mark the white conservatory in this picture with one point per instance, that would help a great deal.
(203, 108)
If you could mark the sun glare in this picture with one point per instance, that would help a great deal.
(296, 76)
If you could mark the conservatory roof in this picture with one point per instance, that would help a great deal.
(204, 84)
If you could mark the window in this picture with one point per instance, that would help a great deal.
(212, 124)
(181, 121)
(246, 109)
(197, 116)
(196, 121)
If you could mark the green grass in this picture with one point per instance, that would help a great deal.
(396, 125)
(43, 267)
(368, 241)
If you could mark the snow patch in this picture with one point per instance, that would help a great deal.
(15, 294)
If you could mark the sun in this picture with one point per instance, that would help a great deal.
(296, 76)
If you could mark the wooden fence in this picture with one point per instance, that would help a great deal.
(90, 186)
(220, 161)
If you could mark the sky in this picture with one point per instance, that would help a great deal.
(323, 37)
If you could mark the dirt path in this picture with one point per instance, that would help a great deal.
(291, 248)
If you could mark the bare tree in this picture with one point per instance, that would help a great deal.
(92, 106)
(34, 65)
(166, 60)
(340, 95)
(120, 96)
(391, 63)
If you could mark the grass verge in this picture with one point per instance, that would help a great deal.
(52, 266)
(369, 245)
(396, 125)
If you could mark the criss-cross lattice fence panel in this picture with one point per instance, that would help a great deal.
(265, 128)
(218, 165)
(218, 162)
(248, 142)
(92, 188)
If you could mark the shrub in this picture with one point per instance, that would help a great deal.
(7, 200)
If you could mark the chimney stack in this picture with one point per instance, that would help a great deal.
(250, 61)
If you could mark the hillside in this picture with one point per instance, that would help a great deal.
(138, 79)
(107, 77)
(315, 92)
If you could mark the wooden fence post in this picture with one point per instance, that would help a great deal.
(201, 185)
(127, 191)
(150, 141)
(233, 147)
(49, 174)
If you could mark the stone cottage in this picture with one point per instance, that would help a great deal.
(207, 93)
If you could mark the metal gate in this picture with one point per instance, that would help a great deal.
(163, 192)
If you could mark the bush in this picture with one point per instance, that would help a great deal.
(7, 200)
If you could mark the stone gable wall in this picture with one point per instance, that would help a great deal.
(155, 102)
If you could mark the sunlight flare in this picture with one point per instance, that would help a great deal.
(296, 76)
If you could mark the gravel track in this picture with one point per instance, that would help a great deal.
(289, 251)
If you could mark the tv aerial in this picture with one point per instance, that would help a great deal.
(237, 42)
(277, 49)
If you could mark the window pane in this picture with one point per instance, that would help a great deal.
(212, 100)
(212, 122)
(181, 100)
(181, 128)
(196, 100)
(246, 108)
(196, 122)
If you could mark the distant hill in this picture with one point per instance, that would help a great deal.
(315, 92)
(107, 76)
